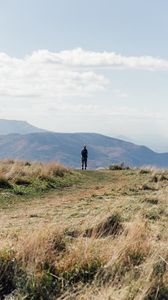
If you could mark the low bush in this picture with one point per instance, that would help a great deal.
(121, 166)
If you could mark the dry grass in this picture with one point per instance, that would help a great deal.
(95, 242)
(109, 226)
(28, 178)
(40, 247)
(111, 266)
(14, 169)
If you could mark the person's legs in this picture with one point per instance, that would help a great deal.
(85, 164)
(82, 163)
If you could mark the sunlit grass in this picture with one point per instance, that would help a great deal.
(105, 237)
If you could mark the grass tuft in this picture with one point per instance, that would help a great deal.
(152, 201)
(22, 181)
(4, 183)
(110, 226)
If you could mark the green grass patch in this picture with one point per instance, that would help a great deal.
(23, 189)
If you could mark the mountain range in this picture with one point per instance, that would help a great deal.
(27, 142)
(14, 126)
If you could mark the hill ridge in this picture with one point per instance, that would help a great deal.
(66, 147)
(17, 126)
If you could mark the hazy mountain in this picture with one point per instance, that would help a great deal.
(13, 126)
(124, 138)
(66, 147)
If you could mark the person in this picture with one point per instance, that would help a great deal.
(84, 157)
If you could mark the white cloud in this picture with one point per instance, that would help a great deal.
(82, 58)
(49, 82)
(46, 85)
(36, 77)
(76, 72)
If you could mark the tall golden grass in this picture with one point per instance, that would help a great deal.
(121, 254)
(10, 169)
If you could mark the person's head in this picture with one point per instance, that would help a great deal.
(84, 146)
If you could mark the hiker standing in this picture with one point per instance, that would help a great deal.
(84, 157)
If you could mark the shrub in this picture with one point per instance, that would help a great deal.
(121, 166)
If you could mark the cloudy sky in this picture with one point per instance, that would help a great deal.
(90, 66)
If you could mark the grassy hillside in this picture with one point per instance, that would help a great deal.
(82, 235)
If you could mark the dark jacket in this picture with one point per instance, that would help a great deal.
(84, 153)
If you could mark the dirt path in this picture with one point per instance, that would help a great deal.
(55, 208)
(100, 193)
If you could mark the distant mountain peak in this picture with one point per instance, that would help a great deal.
(17, 126)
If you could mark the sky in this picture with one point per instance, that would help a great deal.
(87, 66)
